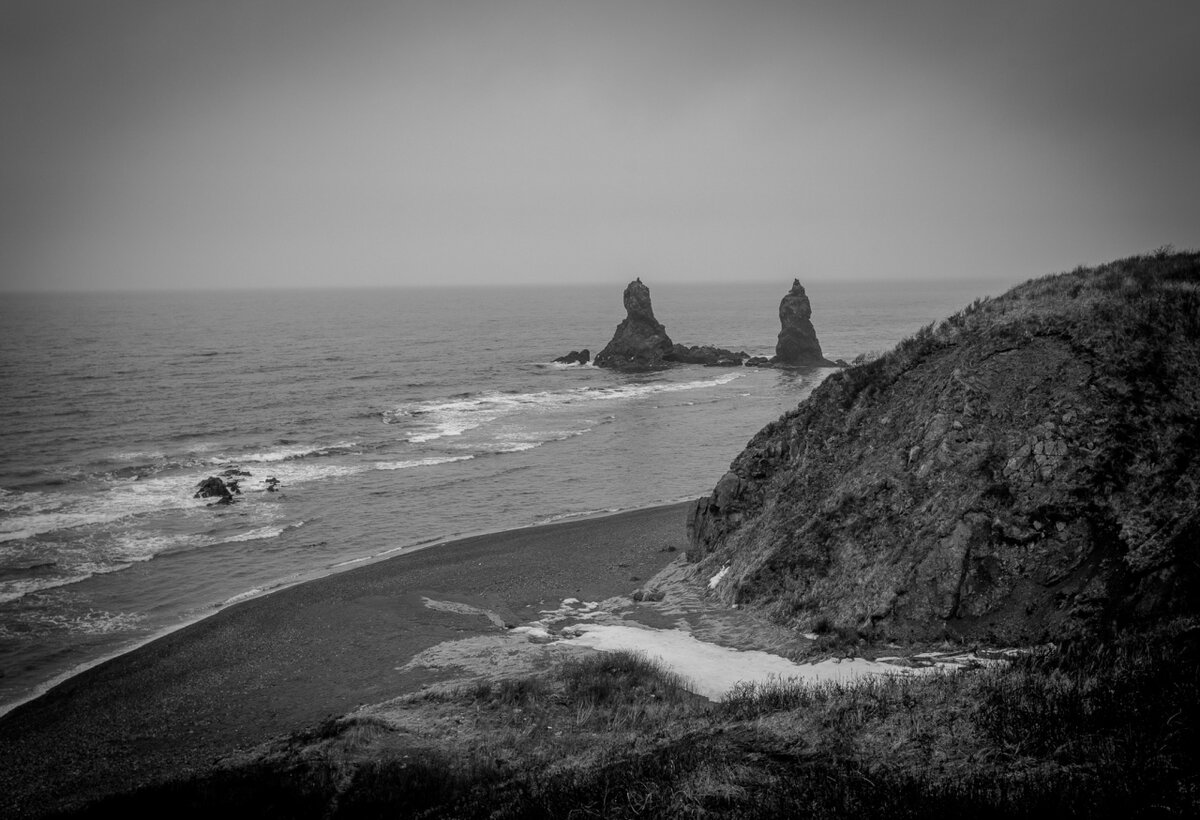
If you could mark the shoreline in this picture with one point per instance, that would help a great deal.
(292, 656)
(349, 565)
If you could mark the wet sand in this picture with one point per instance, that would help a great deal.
(280, 663)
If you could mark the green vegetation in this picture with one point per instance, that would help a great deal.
(1085, 730)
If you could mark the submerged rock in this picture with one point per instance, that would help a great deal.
(1026, 469)
(214, 487)
(640, 341)
(575, 357)
(797, 345)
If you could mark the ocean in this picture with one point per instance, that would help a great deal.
(392, 420)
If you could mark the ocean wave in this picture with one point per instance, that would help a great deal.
(262, 533)
(28, 514)
(564, 365)
(108, 552)
(95, 555)
(455, 416)
(16, 588)
(140, 455)
(293, 452)
(299, 472)
(420, 462)
(92, 622)
(567, 516)
(138, 464)
(135, 547)
(504, 447)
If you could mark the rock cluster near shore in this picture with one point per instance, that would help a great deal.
(641, 342)
(1029, 468)
(575, 357)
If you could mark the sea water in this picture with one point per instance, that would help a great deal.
(390, 418)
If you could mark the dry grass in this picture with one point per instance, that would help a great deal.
(1081, 731)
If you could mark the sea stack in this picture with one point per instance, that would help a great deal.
(798, 345)
(640, 341)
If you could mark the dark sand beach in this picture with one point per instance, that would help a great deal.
(283, 662)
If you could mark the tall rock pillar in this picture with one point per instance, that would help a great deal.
(640, 341)
(798, 345)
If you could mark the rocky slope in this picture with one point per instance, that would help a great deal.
(1028, 467)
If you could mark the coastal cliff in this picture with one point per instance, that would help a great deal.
(1028, 467)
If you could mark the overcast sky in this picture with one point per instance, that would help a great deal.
(169, 143)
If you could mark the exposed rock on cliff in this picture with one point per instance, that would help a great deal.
(1032, 465)
(797, 344)
(640, 341)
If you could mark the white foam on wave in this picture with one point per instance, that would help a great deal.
(514, 446)
(262, 533)
(73, 512)
(140, 455)
(92, 622)
(565, 365)
(432, 461)
(30, 514)
(289, 453)
(569, 515)
(135, 547)
(300, 473)
(16, 588)
(443, 419)
(101, 556)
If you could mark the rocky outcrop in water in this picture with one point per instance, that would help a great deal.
(640, 341)
(575, 357)
(706, 355)
(797, 345)
(215, 487)
(1029, 467)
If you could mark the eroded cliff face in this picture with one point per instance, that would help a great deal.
(1030, 466)
(640, 341)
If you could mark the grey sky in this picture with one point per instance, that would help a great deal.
(168, 143)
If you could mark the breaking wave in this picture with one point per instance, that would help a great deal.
(442, 418)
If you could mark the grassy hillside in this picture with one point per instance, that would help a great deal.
(1078, 731)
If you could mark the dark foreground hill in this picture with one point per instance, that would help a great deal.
(1029, 467)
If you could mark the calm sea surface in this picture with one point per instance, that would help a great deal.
(392, 418)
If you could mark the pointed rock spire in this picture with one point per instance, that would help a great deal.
(798, 345)
(640, 341)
